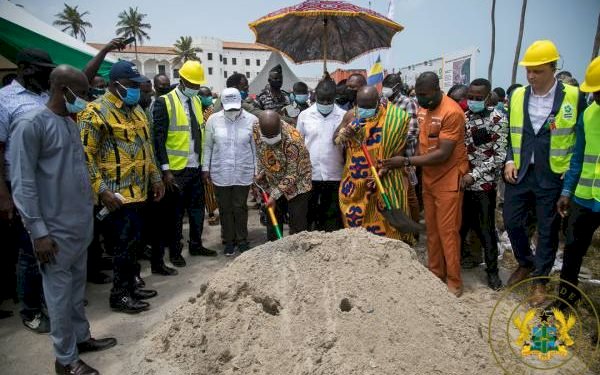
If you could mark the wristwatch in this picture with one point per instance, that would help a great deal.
(407, 161)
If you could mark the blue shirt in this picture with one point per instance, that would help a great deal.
(15, 101)
(572, 175)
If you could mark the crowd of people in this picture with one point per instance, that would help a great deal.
(98, 171)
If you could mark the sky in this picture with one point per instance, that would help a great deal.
(432, 27)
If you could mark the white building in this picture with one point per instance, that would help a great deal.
(220, 60)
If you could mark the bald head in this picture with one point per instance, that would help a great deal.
(66, 76)
(427, 88)
(367, 97)
(270, 123)
(428, 81)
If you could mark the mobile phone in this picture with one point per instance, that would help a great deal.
(129, 40)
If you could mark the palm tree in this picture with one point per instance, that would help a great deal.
(184, 50)
(518, 49)
(596, 40)
(70, 19)
(493, 48)
(131, 24)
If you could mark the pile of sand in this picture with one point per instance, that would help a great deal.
(341, 303)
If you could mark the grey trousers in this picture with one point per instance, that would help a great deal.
(233, 210)
(64, 290)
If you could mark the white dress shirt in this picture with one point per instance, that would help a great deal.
(229, 151)
(326, 158)
(539, 108)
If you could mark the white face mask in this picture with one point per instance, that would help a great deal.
(232, 115)
(387, 92)
(271, 141)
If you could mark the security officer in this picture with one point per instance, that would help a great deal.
(542, 120)
(580, 197)
(178, 137)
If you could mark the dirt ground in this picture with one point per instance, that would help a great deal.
(23, 352)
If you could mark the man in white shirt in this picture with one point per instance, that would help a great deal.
(229, 161)
(317, 125)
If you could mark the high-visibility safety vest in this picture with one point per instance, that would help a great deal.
(178, 137)
(562, 128)
(588, 186)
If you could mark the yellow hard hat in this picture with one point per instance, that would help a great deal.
(592, 77)
(193, 72)
(539, 53)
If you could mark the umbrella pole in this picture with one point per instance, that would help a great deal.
(325, 39)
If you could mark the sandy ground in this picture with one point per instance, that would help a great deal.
(23, 352)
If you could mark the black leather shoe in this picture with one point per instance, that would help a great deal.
(164, 270)
(494, 281)
(76, 368)
(140, 294)
(138, 282)
(99, 278)
(202, 251)
(93, 345)
(128, 305)
(178, 261)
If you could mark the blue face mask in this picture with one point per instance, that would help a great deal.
(476, 106)
(366, 112)
(132, 96)
(77, 106)
(244, 94)
(325, 109)
(207, 101)
(301, 98)
(500, 106)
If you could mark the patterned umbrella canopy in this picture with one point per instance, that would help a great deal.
(317, 30)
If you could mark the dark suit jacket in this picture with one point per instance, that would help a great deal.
(539, 144)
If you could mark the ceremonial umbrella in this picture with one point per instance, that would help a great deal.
(318, 30)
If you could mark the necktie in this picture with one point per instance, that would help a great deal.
(195, 127)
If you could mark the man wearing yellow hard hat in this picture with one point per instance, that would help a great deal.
(542, 119)
(178, 137)
(580, 197)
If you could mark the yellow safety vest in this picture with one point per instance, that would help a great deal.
(178, 137)
(562, 128)
(588, 186)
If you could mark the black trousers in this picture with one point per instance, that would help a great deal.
(518, 201)
(324, 208)
(297, 208)
(582, 223)
(479, 215)
(188, 198)
(233, 210)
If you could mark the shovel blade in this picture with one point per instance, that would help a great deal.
(404, 224)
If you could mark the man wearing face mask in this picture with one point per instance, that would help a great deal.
(240, 82)
(317, 125)
(284, 170)
(443, 156)
(178, 140)
(341, 100)
(458, 93)
(300, 102)
(26, 93)
(485, 138)
(353, 84)
(97, 87)
(57, 211)
(229, 162)
(273, 97)
(118, 147)
(208, 109)
(383, 131)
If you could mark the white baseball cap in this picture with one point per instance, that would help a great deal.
(231, 99)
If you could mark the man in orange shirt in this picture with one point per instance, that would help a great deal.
(443, 156)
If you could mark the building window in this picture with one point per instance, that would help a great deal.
(247, 74)
(257, 62)
(175, 73)
(248, 62)
(225, 74)
(161, 69)
(210, 71)
(220, 57)
(209, 56)
(224, 60)
(233, 61)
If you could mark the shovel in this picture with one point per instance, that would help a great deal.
(396, 217)
(271, 211)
